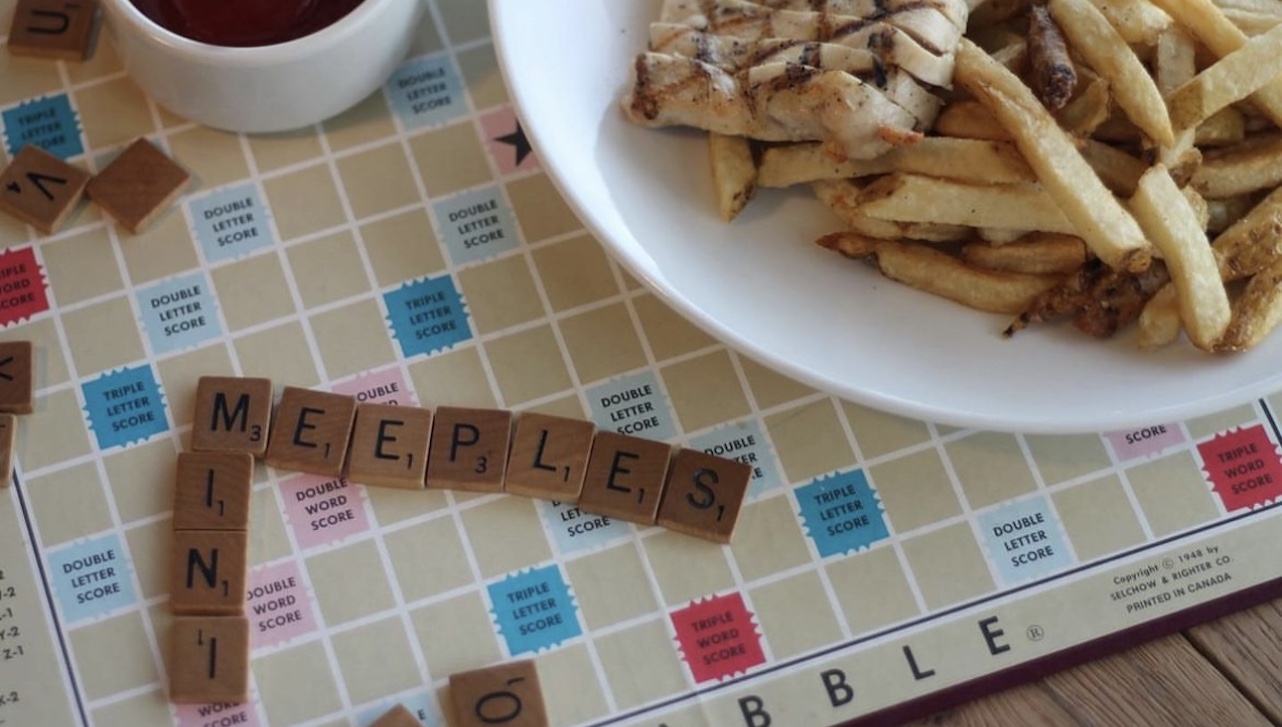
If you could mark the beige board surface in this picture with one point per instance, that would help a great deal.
(414, 252)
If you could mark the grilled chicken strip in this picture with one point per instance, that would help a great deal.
(772, 102)
(957, 11)
(890, 49)
(744, 19)
(734, 55)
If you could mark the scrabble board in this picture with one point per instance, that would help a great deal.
(413, 251)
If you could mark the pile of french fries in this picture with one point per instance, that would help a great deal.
(1114, 162)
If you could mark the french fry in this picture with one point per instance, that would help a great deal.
(1118, 170)
(1221, 213)
(1224, 127)
(1088, 109)
(1248, 246)
(1159, 322)
(986, 13)
(1172, 225)
(1095, 214)
(1013, 56)
(970, 120)
(1221, 37)
(962, 159)
(1200, 209)
(1232, 78)
(1176, 60)
(851, 244)
(734, 174)
(941, 274)
(1253, 164)
(1257, 312)
(1253, 242)
(1182, 158)
(1108, 53)
(1263, 7)
(999, 235)
(1137, 21)
(1036, 253)
(1251, 23)
(917, 198)
(842, 198)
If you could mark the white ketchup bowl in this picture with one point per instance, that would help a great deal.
(272, 87)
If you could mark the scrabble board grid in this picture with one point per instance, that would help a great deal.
(411, 251)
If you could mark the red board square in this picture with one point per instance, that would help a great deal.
(1244, 467)
(718, 637)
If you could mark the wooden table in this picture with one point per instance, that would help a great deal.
(1225, 672)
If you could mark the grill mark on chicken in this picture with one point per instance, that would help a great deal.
(894, 48)
(774, 102)
(736, 56)
(749, 20)
(956, 11)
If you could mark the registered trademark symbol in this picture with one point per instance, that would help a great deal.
(1036, 633)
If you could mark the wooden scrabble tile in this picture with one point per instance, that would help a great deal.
(507, 694)
(549, 457)
(233, 414)
(389, 446)
(17, 385)
(311, 431)
(138, 185)
(703, 495)
(53, 28)
(212, 490)
(469, 449)
(398, 716)
(209, 571)
(40, 189)
(8, 431)
(625, 477)
(208, 659)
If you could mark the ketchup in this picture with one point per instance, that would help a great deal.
(244, 23)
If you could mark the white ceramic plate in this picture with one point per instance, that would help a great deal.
(762, 286)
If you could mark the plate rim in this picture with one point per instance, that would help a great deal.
(637, 266)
